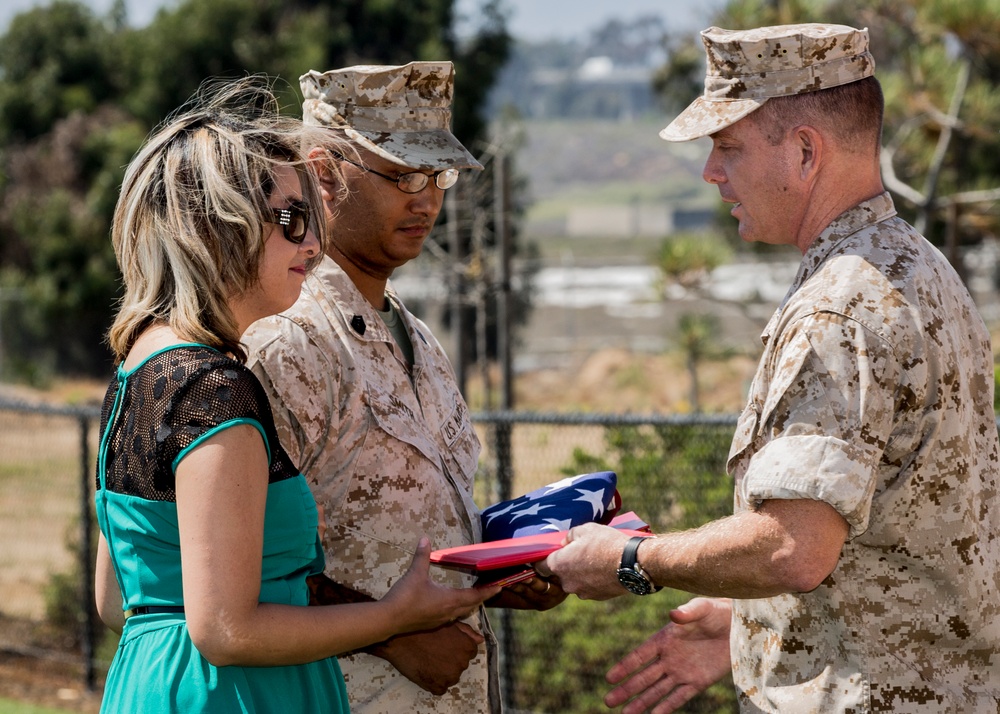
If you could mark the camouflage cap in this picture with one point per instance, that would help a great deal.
(745, 68)
(402, 113)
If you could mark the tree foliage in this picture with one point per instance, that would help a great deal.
(55, 61)
(939, 65)
(675, 474)
(79, 92)
(689, 258)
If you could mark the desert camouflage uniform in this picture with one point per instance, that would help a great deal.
(387, 460)
(874, 394)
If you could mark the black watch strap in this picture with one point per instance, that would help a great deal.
(631, 553)
(630, 573)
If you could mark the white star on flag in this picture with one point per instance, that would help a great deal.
(554, 524)
(500, 512)
(529, 511)
(568, 502)
(553, 487)
(594, 498)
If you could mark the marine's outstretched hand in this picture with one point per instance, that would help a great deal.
(678, 662)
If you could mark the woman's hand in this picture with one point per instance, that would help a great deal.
(422, 604)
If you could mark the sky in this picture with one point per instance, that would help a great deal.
(531, 20)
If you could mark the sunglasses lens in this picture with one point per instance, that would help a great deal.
(296, 230)
(294, 221)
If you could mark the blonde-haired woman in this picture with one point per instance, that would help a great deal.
(208, 530)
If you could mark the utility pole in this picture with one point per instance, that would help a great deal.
(456, 297)
(502, 429)
(501, 185)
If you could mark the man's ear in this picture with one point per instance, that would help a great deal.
(810, 145)
(326, 171)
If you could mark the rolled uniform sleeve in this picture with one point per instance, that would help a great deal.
(825, 416)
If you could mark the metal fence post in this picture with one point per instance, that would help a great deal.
(86, 548)
(508, 642)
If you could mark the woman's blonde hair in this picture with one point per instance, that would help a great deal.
(189, 226)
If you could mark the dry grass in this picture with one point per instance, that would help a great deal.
(609, 381)
(40, 477)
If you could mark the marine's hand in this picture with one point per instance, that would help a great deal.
(535, 593)
(321, 521)
(433, 660)
(586, 565)
(422, 604)
(681, 660)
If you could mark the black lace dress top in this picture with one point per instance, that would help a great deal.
(178, 397)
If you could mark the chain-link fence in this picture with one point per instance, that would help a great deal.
(46, 528)
(671, 472)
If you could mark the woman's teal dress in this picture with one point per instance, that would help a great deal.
(152, 416)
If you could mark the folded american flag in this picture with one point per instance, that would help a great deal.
(587, 498)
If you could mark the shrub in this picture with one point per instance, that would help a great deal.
(674, 478)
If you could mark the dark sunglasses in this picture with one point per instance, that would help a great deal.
(294, 220)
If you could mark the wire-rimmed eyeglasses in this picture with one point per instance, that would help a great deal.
(413, 181)
(294, 220)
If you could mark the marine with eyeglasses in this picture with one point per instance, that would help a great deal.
(364, 396)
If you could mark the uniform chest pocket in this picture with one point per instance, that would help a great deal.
(449, 441)
(401, 420)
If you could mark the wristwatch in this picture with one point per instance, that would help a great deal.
(630, 573)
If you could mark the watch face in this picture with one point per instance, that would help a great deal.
(634, 582)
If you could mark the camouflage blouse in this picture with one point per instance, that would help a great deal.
(390, 454)
(874, 394)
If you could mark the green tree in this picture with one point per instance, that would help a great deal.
(54, 61)
(682, 77)
(687, 259)
(167, 60)
(78, 94)
(939, 65)
(199, 39)
(55, 221)
(675, 475)
(699, 339)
